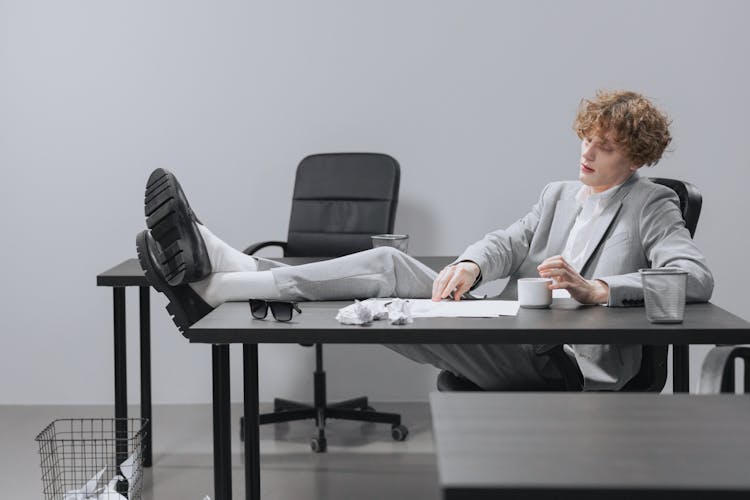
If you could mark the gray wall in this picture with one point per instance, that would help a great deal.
(475, 99)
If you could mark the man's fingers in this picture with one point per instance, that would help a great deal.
(560, 279)
(437, 288)
(435, 284)
(552, 273)
(556, 261)
(548, 265)
(558, 285)
(451, 286)
(440, 283)
(460, 291)
(453, 280)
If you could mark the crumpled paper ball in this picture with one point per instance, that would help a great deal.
(362, 312)
(355, 314)
(399, 312)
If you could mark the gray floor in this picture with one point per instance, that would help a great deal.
(362, 462)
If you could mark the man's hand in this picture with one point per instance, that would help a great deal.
(454, 280)
(565, 277)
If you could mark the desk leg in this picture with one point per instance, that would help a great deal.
(251, 421)
(145, 321)
(222, 423)
(680, 368)
(121, 385)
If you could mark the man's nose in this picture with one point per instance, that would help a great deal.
(587, 152)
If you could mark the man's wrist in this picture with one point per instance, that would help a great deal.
(601, 295)
(478, 271)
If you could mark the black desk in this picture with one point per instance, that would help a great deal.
(586, 446)
(232, 323)
(128, 273)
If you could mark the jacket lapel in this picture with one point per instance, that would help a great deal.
(600, 229)
(605, 220)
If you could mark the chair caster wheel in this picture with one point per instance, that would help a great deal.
(399, 432)
(318, 445)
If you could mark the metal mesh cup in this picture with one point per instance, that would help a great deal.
(664, 294)
(398, 241)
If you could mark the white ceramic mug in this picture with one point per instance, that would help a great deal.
(534, 293)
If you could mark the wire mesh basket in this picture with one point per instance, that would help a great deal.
(92, 458)
(664, 294)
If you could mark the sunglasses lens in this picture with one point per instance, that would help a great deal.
(282, 311)
(258, 308)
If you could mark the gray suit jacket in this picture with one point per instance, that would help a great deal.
(641, 227)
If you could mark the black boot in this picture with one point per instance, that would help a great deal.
(185, 306)
(182, 253)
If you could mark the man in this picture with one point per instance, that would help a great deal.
(590, 236)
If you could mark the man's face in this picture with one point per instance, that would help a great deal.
(603, 163)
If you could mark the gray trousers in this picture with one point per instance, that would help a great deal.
(386, 272)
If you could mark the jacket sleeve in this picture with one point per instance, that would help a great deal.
(500, 252)
(666, 243)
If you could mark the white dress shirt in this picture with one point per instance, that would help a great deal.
(592, 205)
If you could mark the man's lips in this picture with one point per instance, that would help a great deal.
(586, 169)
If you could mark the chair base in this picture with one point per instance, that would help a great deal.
(356, 409)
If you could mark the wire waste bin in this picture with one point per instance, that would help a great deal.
(92, 458)
(664, 291)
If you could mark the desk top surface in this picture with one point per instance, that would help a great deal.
(564, 322)
(129, 272)
(602, 442)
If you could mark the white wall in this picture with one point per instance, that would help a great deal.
(475, 99)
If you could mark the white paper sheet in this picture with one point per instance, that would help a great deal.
(426, 308)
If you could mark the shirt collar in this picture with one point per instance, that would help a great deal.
(584, 194)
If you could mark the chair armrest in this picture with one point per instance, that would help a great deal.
(263, 244)
(718, 368)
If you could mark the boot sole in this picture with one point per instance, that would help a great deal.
(182, 252)
(154, 276)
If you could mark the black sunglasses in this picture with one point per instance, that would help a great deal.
(281, 310)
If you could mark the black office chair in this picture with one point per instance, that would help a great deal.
(652, 374)
(339, 201)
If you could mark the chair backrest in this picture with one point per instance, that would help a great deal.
(339, 201)
(691, 200)
(652, 375)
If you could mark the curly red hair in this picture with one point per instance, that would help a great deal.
(630, 120)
